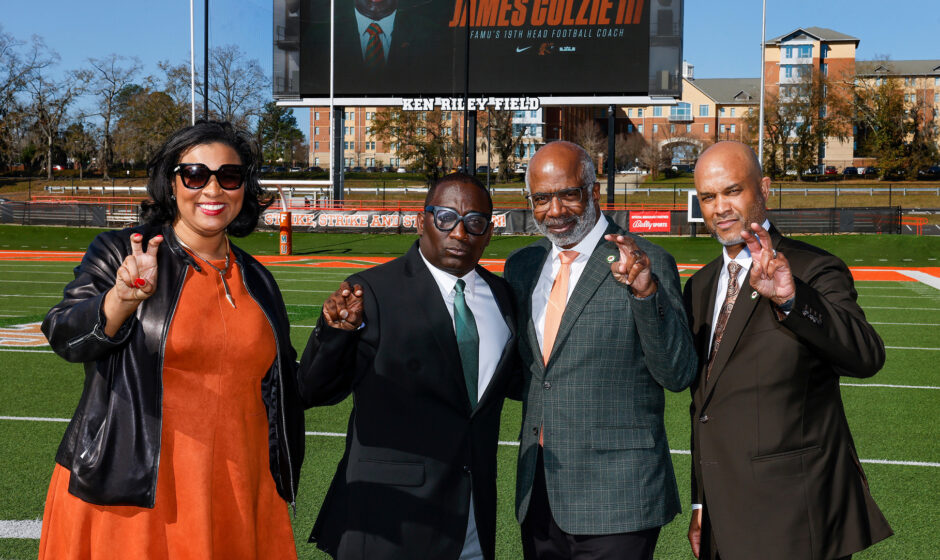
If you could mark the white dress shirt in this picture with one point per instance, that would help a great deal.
(744, 259)
(387, 24)
(493, 333)
(543, 288)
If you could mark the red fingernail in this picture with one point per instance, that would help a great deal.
(140, 282)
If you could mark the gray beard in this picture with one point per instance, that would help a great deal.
(585, 223)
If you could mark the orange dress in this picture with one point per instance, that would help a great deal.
(215, 494)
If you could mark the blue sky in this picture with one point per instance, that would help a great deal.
(722, 37)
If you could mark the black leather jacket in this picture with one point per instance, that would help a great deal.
(112, 444)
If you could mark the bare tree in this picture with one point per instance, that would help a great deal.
(108, 76)
(587, 134)
(17, 64)
(503, 138)
(629, 148)
(237, 85)
(50, 103)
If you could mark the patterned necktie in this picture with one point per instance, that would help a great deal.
(730, 296)
(468, 341)
(556, 303)
(375, 54)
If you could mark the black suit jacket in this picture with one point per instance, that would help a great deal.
(414, 448)
(773, 460)
(420, 55)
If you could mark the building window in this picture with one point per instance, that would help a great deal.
(936, 98)
(788, 71)
(721, 129)
(629, 111)
(672, 129)
(909, 82)
(936, 81)
(721, 111)
(629, 128)
(706, 128)
(639, 111)
(655, 128)
(879, 81)
(703, 110)
(824, 51)
(824, 69)
(688, 128)
(732, 129)
(316, 145)
(806, 51)
(639, 128)
(657, 111)
(316, 131)
(788, 52)
(316, 115)
(732, 111)
(316, 161)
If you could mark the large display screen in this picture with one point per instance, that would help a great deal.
(413, 48)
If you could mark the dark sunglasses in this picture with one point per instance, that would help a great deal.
(446, 219)
(196, 175)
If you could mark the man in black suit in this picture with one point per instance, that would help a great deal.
(775, 473)
(425, 343)
(383, 46)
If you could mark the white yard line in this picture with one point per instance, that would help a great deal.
(907, 324)
(909, 348)
(28, 529)
(922, 277)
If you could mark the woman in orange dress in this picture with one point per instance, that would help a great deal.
(188, 438)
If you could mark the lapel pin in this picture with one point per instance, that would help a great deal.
(610, 258)
(754, 295)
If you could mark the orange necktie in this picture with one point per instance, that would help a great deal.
(556, 303)
(555, 309)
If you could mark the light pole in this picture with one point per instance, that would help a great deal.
(760, 117)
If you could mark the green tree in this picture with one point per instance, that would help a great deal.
(80, 144)
(277, 133)
(423, 138)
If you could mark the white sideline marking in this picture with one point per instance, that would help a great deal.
(907, 324)
(874, 296)
(37, 282)
(903, 308)
(909, 348)
(923, 277)
(29, 529)
(34, 419)
(686, 452)
(886, 385)
(21, 350)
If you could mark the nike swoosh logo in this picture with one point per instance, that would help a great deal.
(523, 49)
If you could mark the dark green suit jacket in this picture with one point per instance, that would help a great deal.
(600, 397)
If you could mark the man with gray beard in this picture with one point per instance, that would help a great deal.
(602, 331)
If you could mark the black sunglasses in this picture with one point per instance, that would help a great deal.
(196, 175)
(446, 219)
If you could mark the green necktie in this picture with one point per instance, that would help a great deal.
(468, 341)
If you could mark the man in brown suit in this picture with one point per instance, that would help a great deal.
(775, 474)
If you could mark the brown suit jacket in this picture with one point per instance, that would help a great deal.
(773, 460)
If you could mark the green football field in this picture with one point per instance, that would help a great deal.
(893, 415)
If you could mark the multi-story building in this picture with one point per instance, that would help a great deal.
(708, 111)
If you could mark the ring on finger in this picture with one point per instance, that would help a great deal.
(773, 254)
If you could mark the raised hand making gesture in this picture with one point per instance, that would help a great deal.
(136, 280)
(343, 309)
(770, 270)
(633, 267)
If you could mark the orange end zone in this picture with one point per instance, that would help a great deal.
(859, 273)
